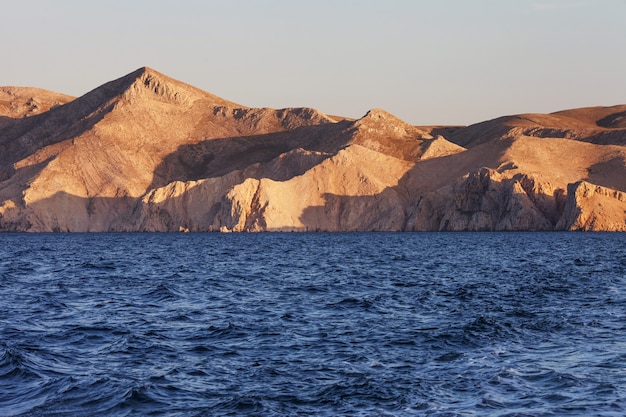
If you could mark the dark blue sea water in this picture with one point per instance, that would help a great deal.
(456, 324)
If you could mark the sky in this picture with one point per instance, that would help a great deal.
(451, 62)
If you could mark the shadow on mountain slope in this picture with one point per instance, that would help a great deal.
(610, 173)
(602, 126)
(464, 191)
(217, 157)
(478, 189)
(28, 135)
(6, 121)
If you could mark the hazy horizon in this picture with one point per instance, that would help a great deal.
(446, 62)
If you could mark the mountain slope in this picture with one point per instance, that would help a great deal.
(601, 125)
(18, 102)
(148, 153)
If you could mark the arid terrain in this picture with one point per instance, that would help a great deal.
(149, 153)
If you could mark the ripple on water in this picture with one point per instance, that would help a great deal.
(313, 324)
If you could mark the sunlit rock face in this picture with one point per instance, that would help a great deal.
(149, 153)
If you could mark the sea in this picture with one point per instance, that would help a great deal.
(313, 324)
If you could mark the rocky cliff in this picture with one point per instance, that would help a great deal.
(149, 153)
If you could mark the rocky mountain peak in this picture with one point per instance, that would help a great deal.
(146, 83)
(379, 116)
(382, 124)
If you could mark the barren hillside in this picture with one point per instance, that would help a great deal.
(601, 125)
(148, 153)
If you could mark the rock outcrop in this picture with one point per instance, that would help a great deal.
(485, 200)
(149, 153)
(592, 207)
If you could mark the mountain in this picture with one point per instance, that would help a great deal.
(18, 102)
(601, 125)
(146, 152)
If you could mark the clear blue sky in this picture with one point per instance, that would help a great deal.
(428, 62)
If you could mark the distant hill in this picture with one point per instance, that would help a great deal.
(601, 125)
(148, 153)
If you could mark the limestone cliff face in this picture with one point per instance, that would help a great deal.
(149, 153)
(592, 207)
(485, 200)
(323, 198)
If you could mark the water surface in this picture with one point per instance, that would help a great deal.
(380, 324)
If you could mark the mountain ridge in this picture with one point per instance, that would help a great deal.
(602, 125)
(146, 152)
